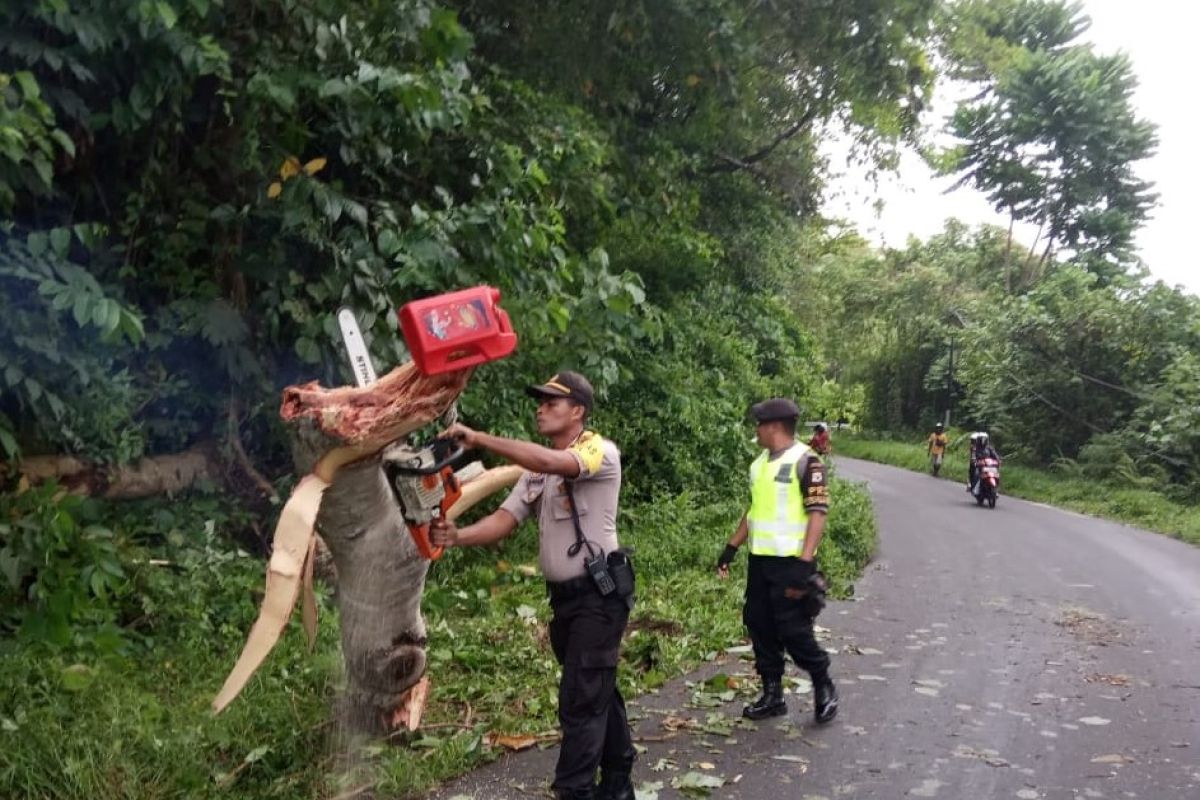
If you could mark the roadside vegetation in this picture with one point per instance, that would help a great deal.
(123, 712)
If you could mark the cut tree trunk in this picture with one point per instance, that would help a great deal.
(341, 439)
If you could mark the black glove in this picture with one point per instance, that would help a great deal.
(817, 587)
(727, 556)
(817, 582)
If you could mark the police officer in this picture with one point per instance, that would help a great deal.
(784, 590)
(583, 469)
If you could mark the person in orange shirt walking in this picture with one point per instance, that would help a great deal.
(937, 447)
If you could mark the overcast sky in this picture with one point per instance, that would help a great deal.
(1159, 37)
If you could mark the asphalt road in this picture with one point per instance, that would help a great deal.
(1022, 652)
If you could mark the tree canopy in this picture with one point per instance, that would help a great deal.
(1049, 134)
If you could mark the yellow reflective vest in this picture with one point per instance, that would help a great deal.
(777, 519)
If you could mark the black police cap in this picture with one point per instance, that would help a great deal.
(565, 384)
(777, 408)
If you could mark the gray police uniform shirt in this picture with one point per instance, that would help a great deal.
(597, 491)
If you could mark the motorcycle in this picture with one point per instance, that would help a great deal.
(987, 481)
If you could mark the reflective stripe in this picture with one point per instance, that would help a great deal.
(777, 519)
(777, 528)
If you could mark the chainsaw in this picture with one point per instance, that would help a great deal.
(421, 476)
(423, 480)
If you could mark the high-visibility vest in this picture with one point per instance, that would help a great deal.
(777, 519)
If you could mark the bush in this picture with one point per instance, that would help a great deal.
(62, 571)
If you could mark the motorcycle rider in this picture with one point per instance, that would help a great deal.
(820, 439)
(981, 447)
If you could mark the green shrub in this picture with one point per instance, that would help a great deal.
(61, 570)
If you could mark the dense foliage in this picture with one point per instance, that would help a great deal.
(194, 189)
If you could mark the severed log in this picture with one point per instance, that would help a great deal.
(153, 475)
(341, 438)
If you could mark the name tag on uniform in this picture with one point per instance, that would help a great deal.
(534, 486)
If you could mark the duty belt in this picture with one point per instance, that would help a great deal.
(561, 590)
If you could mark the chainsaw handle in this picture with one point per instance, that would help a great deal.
(445, 451)
(420, 537)
(420, 533)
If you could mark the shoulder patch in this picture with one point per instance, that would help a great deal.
(590, 448)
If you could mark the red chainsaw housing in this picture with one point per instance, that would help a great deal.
(420, 533)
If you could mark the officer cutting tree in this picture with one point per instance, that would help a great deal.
(572, 488)
(784, 589)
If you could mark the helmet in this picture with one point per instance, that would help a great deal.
(820, 427)
(983, 439)
(939, 426)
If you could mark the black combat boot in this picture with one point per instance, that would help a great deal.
(586, 793)
(825, 700)
(770, 704)
(614, 785)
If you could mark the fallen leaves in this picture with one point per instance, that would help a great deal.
(516, 742)
(673, 723)
(648, 790)
(697, 783)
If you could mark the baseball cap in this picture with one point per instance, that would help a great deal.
(776, 408)
(567, 384)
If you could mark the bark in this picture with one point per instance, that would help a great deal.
(381, 578)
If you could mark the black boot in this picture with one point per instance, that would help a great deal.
(586, 793)
(825, 701)
(614, 785)
(770, 704)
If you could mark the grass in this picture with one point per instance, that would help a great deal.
(1136, 505)
(133, 722)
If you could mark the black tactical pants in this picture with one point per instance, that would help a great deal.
(585, 634)
(779, 614)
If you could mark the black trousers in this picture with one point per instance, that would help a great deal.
(585, 634)
(779, 614)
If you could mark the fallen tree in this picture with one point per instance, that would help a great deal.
(342, 437)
